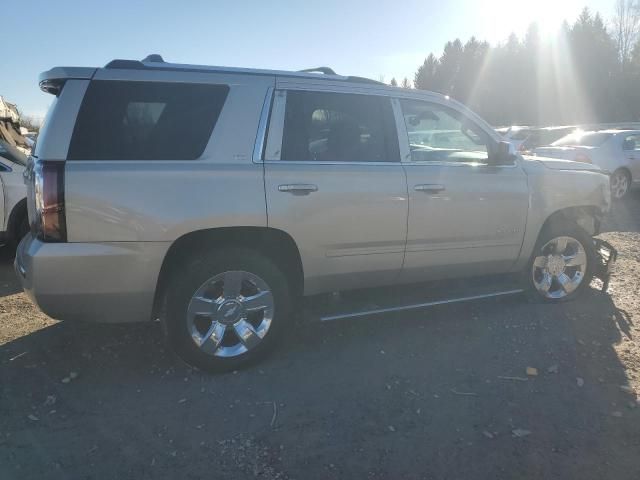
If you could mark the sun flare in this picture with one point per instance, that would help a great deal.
(501, 17)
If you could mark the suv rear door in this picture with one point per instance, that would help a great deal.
(334, 182)
(466, 216)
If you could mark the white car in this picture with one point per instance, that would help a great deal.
(13, 195)
(617, 151)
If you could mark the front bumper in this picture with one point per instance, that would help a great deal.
(101, 282)
(605, 266)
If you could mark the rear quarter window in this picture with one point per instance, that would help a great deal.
(121, 120)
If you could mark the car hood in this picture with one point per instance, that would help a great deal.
(559, 164)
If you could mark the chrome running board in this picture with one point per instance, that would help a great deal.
(415, 306)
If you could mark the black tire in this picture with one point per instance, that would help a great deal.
(198, 269)
(550, 232)
(20, 229)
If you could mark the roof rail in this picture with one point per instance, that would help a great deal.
(356, 79)
(156, 62)
(325, 70)
(127, 64)
(154, 57)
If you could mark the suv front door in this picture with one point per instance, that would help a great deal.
(334, 183)
(466, 216)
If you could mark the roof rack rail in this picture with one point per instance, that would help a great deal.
(154, 57)
(149, 61)
(356, 79)
(325, 70)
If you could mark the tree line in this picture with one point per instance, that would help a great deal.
(587, 73)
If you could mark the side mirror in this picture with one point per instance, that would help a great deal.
(505, 154)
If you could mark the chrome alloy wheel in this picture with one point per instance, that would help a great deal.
(230, 313)
(619, 184)
(560, 267)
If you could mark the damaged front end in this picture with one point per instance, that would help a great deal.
(605, 261)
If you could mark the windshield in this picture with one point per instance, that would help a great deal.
(12, 154)
(580, 139)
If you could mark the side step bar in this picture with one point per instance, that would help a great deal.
(415, 306)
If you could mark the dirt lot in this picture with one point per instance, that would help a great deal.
(419, 395)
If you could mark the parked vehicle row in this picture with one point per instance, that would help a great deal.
(616, 151)
(14, 223)
(283, 185)
(527, 139)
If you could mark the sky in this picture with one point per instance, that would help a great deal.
(354, 37)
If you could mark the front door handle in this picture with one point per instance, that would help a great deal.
(429, 188)
(298, 188)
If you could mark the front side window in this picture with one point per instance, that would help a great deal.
(338, 127)
(145, 120)
(440, 134)
(632, 142)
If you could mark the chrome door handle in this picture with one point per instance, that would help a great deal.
(429, 188)
(298, 188)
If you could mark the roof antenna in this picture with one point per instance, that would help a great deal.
(154, 58)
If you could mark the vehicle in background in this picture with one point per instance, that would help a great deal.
(616, 151)
(13, 203)
(540, 137)
(526, 139)
(515, 135)
(30, 139)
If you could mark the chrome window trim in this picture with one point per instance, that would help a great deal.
(401, 129)
(318, 162)
(275, 130)
(261, 136)
(459, 164)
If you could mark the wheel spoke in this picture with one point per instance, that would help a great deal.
(561, 245)
(540, 262)
(232, 284)
(260, 301)
(211, 340)
(545, 284)
(567, 284)
(247, 334)
(202, 306)
(576, 260)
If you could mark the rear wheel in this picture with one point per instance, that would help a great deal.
(620, 182)
(562, 264)
(20, 229)
(226, 309)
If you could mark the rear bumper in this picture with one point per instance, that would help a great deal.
(100, 282)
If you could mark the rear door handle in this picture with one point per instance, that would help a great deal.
(298, 188)
(429, 188)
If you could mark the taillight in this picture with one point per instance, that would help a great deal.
(581, 157)
(49, 224)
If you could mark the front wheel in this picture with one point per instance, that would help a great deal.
(562, 264)
(620, 182)
(226, 309)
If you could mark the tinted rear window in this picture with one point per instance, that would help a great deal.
(146, 120)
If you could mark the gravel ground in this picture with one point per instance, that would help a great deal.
(439, 393)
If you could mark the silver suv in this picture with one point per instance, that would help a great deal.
(218, 198)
